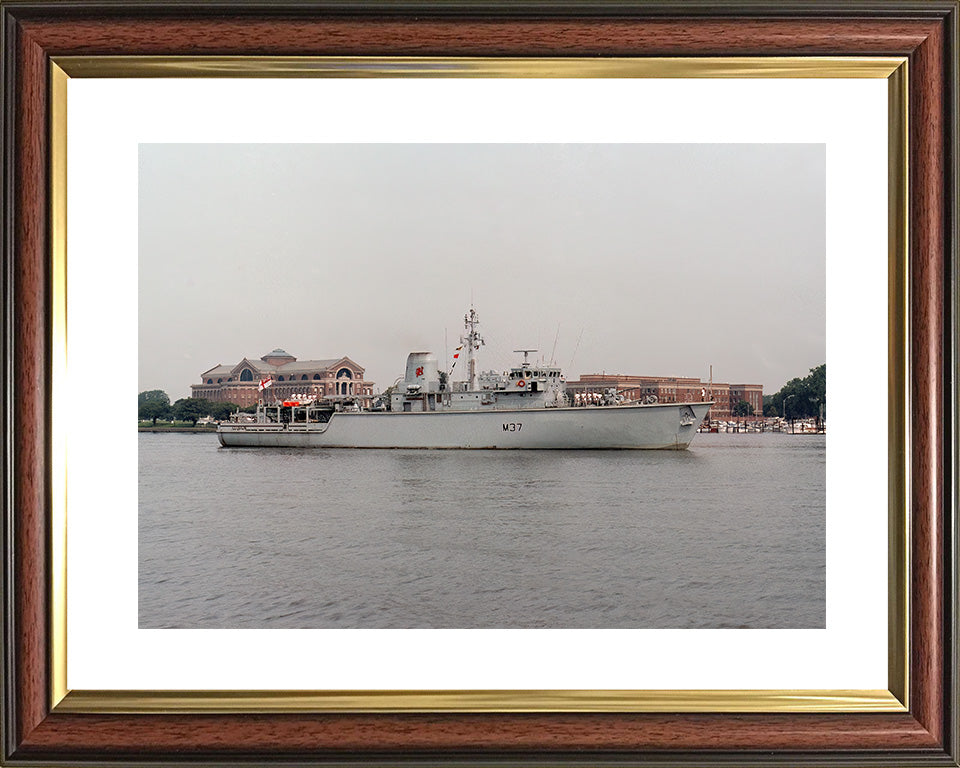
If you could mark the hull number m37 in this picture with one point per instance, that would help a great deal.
(512, 426)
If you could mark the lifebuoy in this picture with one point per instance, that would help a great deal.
(521, 383)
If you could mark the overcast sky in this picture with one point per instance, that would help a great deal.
(649, 259)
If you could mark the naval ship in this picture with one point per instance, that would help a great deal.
(526, 407)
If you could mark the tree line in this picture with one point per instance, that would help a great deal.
(154, 405)
(804, 398)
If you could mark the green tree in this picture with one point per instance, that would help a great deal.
(802, 398)
(221, 410)
(153, 410)
(743, 408)
(769, 409)
(153, 404)
(153, 394)
(190, 409)
(817, 391)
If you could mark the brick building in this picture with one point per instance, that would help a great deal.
(240, 383)
(674, 389)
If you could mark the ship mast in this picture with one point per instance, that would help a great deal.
(472, 341)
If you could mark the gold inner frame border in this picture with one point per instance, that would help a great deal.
(895, 699)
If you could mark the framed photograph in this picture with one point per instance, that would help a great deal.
(403, 287)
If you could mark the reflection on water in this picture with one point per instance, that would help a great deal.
(727, 534)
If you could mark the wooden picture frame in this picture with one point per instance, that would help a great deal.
(37, 730)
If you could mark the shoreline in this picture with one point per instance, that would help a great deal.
(207, 430)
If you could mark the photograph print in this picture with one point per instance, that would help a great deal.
(482, 386)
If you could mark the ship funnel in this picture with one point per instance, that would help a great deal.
(421, 367)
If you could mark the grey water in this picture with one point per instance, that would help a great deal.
(730, 533)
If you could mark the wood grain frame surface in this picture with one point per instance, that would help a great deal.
(924, 32)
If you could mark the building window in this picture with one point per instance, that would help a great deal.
(345, 373)
(209, 381)
(303, 378)
(280, 379)
(316, 376)
(219, 381)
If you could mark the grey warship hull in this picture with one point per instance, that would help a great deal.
(655, 426)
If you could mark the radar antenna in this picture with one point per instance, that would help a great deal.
(526, 356)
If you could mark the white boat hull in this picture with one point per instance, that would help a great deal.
(658, 426)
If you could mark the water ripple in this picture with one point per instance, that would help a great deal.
(728, 534)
